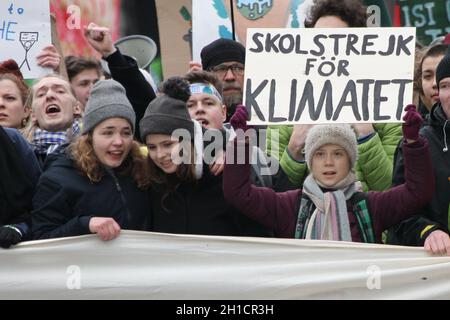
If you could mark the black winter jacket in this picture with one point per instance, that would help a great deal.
(435, 215)
(200, 208)
(65, 200)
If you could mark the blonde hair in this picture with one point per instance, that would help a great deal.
(87, 162)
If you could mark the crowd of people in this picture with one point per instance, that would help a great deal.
(96, 153)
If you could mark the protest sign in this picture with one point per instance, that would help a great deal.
(174, 23)
(430, 17)
(328, 75)
(24, 31)
(211, 19)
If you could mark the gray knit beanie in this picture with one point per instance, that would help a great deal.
(339, 134)
(164, 115)
(108, 99)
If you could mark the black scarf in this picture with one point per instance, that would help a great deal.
(16, 189)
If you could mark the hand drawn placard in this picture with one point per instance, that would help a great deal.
(24, 32)
(343, 75)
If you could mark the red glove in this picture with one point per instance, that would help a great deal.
(413, 121)
(239, 118)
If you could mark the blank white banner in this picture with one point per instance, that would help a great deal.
(140, 265)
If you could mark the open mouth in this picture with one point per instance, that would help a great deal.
(329, 173)
(52, 109)
(203, 122)
(116, 154)
(166, 164)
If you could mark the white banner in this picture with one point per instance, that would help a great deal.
(24, 32)
(140, 265)
(315, 75)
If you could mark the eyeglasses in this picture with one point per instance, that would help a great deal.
(222, 69)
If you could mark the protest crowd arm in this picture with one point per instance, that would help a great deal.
(124, 70)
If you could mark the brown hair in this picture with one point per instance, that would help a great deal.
(87, 162)
(23, 88)
(427, 52)
(168, 183)
(76, 65)
(353, 12)
(206, 77)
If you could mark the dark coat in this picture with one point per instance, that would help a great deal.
(65, 200)
(200, 208)
(435, 214)
(19, 174)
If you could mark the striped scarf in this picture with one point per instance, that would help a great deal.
(46, 142)
(324, 215)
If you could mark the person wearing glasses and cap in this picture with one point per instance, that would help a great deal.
(225, 58)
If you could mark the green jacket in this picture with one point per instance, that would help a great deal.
(374, 165)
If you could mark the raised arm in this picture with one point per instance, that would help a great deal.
(272, 209)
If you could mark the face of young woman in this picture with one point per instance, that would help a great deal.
(12, 111)
(330, 164)
(161, 147)
(112, 140)
(429, 86)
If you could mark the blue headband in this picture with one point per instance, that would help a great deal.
(207, 89)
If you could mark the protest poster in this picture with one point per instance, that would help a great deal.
(430, 17)
(318, 75)
(175, 34)
(72, 15)
(211, 19)
(24, 31)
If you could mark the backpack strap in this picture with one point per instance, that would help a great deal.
(361, 212)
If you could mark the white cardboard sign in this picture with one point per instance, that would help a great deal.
(24, 31)
(328, 75)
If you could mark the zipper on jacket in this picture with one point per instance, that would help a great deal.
(122, 196)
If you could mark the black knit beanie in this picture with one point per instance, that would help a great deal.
(220, 51)
(443, 68)
(164, 115)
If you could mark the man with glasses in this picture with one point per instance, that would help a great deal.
(226, 59)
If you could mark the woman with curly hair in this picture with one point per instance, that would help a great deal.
(99, 185)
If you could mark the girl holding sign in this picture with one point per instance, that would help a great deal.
(376, 142)
(331, 205)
